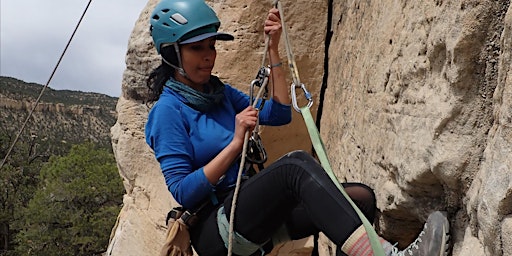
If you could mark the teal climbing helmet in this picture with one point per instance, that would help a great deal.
(184, 21)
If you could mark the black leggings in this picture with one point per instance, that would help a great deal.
(295, 191)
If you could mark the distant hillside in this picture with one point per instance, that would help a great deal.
(20, 90)
(61, 118)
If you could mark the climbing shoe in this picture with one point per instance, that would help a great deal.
(433, 239)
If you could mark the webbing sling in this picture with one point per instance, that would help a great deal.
(315, 136)
(377, 248)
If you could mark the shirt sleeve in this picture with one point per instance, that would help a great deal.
(273, 112)
(167, 134)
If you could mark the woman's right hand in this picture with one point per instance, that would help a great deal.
(272, 27)
(244, 121)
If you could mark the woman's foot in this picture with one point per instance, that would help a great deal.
(433, 240)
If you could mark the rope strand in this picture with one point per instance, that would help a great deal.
(239, 177)
(45, 86)
(244, 151)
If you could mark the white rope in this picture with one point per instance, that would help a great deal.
(244, 152)
(289, 53)
(239, 177)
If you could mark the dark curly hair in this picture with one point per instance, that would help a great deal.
(159, 76)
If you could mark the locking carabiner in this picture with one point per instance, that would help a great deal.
(306, 94)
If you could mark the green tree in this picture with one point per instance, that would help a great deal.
(18, 181)
(75, 206)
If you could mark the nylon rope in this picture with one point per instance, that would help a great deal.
(244, 153)
(319, 146)
(45, 86)
(239, 178)
(291, 60)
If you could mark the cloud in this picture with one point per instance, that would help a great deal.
(33, 34)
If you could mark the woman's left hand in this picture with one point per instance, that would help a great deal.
(273, 27)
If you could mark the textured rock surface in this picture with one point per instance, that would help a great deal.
(417, 103)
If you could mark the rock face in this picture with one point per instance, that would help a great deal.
(414, 99)
(50, 107)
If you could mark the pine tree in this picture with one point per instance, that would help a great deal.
(75, 206)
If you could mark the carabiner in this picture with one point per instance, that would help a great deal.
(256, 153)
(306, 94)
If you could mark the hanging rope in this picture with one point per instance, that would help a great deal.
(45, 86)
(242, 164)
(317, 140)
(244, 149)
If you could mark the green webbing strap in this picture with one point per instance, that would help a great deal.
(378, 250)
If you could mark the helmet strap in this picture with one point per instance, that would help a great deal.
(178, 56)
(179, 68)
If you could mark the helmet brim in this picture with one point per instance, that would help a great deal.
(218, 35)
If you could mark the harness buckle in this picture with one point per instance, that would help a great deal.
(188, 217)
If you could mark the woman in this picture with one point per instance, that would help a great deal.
(196, 129)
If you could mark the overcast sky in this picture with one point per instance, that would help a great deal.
(33, 34)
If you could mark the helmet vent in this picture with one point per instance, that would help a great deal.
(179, 18)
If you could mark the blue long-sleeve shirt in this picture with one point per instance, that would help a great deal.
(185, 140)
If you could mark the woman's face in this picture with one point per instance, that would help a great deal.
(198, 60)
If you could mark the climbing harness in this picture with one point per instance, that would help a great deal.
(317, 141)
(45, 86)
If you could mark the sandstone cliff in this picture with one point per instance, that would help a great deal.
(412, 98)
